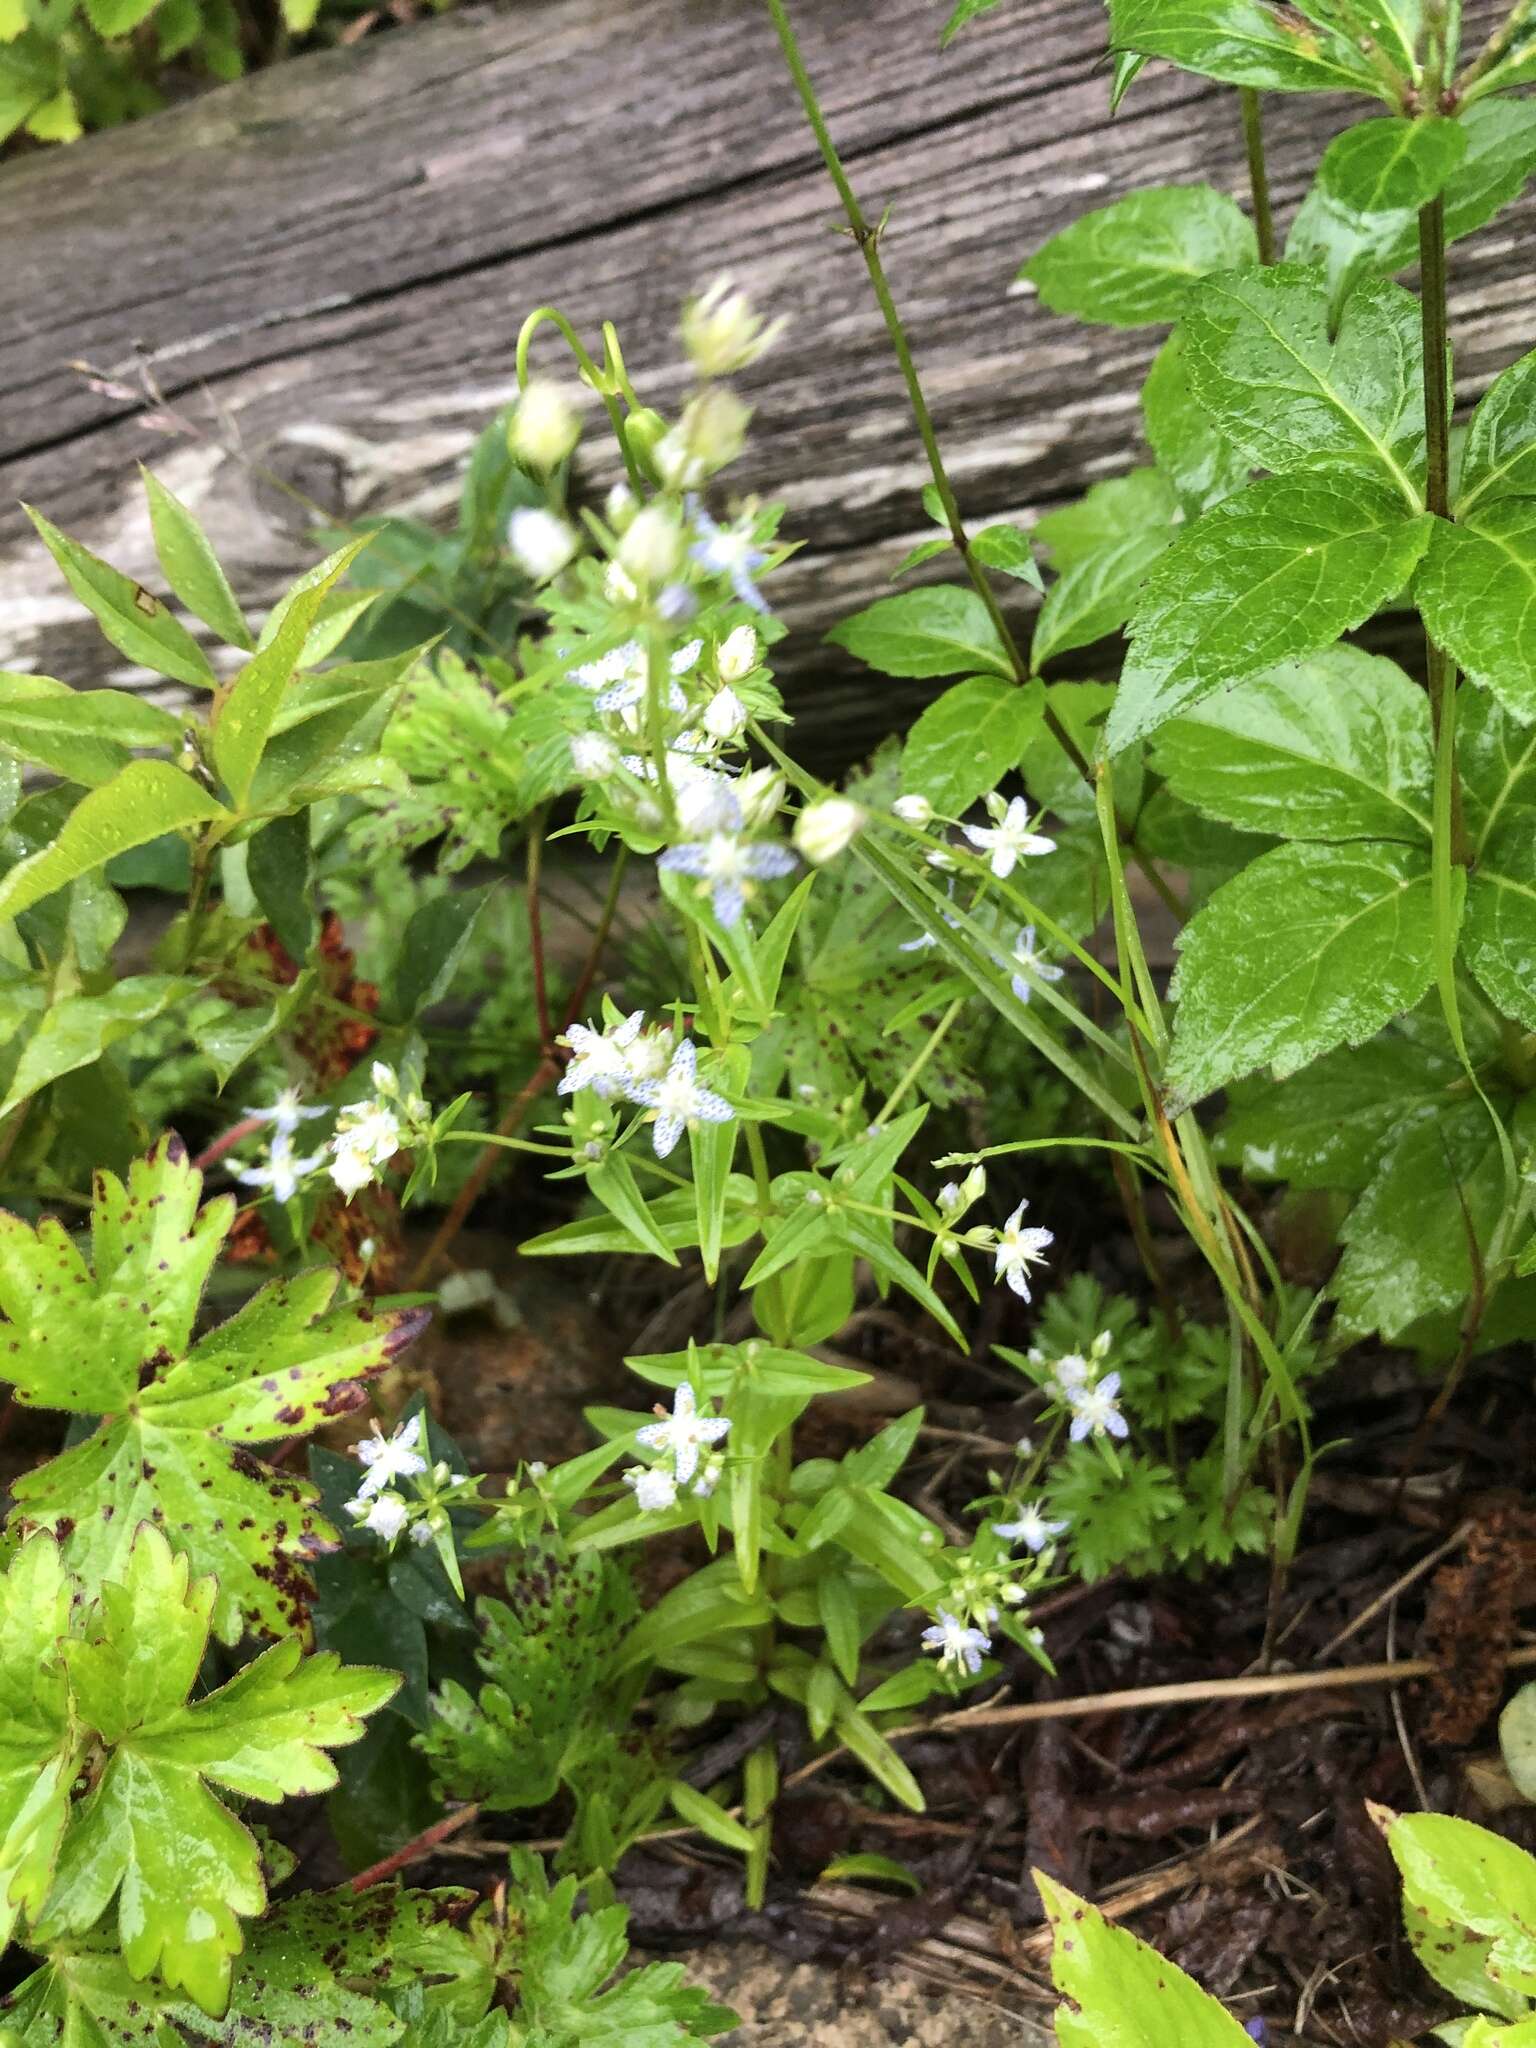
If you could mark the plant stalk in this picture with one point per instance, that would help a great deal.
(1258, 171)
(1437, 499)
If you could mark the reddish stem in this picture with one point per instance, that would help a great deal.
(417, 1847)
(227, 1141)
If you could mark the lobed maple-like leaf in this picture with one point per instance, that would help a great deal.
(112, 1336)
(97, 1693)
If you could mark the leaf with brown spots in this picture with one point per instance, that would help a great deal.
(114, 1337)
(1120, 1993)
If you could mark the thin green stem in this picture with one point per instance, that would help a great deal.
(931, 1045)
(1495, 50)
(1258, 171)
(1452, 844)
(867, 238)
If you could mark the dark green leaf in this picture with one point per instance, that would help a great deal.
(1118, 509)
(1392, 165)
(1499, 457)
(968, 740)
(942, 630)
(1477, 590)
(1333, 747)
(280, 868)
(431, 948)
(1192, 452)
(1278, 570)
(1242, 42)
(1290, 396)
(1309, 948)
(1131, 264)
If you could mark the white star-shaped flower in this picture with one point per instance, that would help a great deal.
(1028, 967)
(1029, 1527)
(683, 1433)
(956, 1644)
(283, 1173)
(1018, 1248)
(383, 1514)
(1095, 1411)
(679, 1099)
(389, 1458)
(1009, 838)
(601, 1060)
(285, 1115)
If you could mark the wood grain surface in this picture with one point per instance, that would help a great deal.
(326, 265)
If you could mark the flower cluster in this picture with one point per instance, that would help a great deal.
(685, 1438)
(653, 1068)
(1089, 1397)
(282, 1171)
(376, 1505)
(369, 1133)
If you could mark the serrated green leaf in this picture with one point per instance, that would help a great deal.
(245, 714)
(1191, 451)
(191, 567)
(1242, 42)
(1498, 762)
(1408, 1240)
(941, 630)
(1333, 747)
(1119, 1992)
(1498, 458)
(133, 619)
(1476, 587)
(1500, 137)
(146, 800)
(76, 1030)
(968, 739)
(1118, 509)
(1276, 571)
(1392, 165)
(1007, 549)
(1096, 595)
(82, 735)
(1290, 396)
(1327, 1126)
(1131, 264)
(1309, 948)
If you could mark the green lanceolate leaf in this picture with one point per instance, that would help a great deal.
(1007, 549)
(113, 1337)
(191, 566)
(1499, 457)
(144, 801)
(1310, 947)
(75, 1030)
(1498, 762)
(965, 12)
(968, 740)
(1121, 508)
(1278, 570)
(1242, 42)
(1409, 1240)
(1477, 590)
(1132, 263)
(131, 617)
(1192, 452)
(1281, 389)
(80, 735)
(1119, 1992)
(943, 630)
(1334, 747)
(245, 715)
(1095, 596)
(1468, 1878)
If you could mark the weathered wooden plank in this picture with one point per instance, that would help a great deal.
(329, 262)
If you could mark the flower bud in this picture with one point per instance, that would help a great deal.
(643, 428)
(620, 506)
(544, 427)
(738, 655)
(825, 828)
(724, 715)
(541, 542)
(722, 333)
(652, 550)
(710, 434)
(913, 810)
(760, 795)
